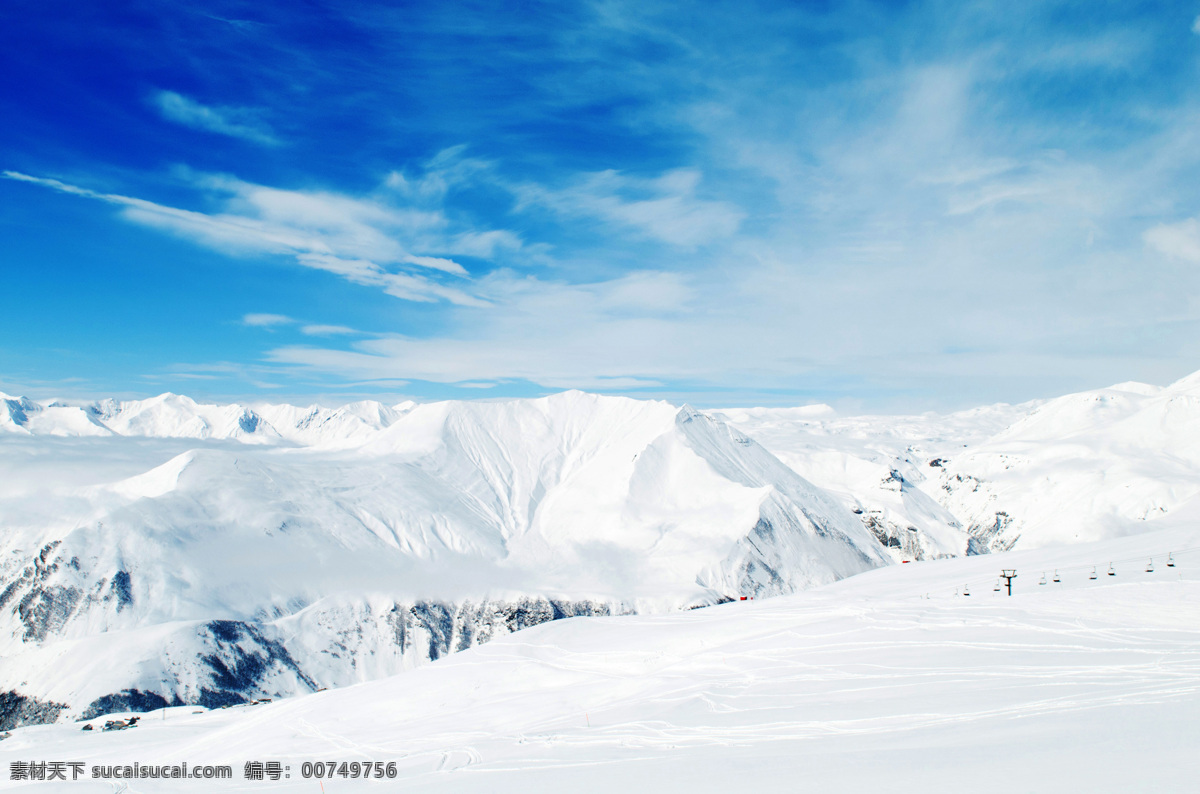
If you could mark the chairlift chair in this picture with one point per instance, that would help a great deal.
(1171, 560)
(1093, 576)
(996, 589)
(1056, 579)
(966, 592)
(1111, 572)
(1150, 566)
(1043, 578)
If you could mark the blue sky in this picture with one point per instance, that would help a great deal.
(884, 206)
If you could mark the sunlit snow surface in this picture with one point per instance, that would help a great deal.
(891, 680)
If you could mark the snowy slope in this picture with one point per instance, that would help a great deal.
(883, 682)
(454, 523)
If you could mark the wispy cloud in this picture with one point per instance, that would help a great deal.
(665, 208)
(362, 239)
(235, 122)
(269, 321)
(450, 168)
(612, 334)
(266, 320)
(408, 286)
(328, 330)
(1176, 240)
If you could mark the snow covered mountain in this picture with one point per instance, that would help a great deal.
(1083, 467)
(248, 566)
(876, 466)
(164, 551)
(176, 416)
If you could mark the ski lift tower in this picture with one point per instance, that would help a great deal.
(1008, 575)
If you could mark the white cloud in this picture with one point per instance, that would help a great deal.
(234, 122)
(266, 320)
(485, 245)
(1196, 26)
(1110, 49)
(327, 330)
(665, 208)
(1176, 240)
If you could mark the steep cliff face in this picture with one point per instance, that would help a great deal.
(234, 570)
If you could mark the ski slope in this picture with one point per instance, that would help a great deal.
(890, 680)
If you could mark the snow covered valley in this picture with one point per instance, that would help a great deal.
(182, 560)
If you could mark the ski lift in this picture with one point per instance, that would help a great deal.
(966, 592)
(1043, 578)
(996, 589)
(1111, 572)
(1056, 579)
(1093, 576)
(1150, 566)
(1171, 560)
